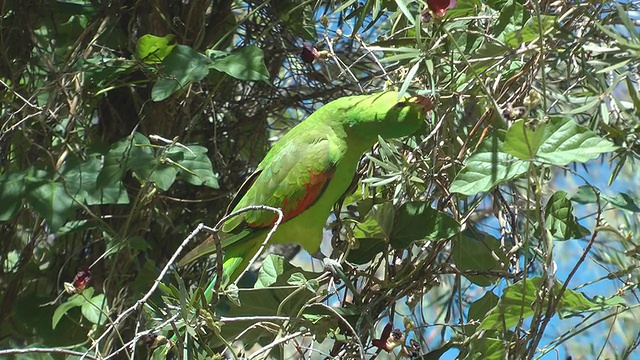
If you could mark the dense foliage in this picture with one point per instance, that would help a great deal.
(506, 228)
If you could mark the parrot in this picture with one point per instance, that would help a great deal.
(306, 173)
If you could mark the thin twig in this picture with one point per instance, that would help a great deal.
(8, 352)
(278, 342)
(150, 292)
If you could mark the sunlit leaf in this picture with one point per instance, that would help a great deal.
(566, 142)
(522, 141)
(153, 49)
(272, 267)
(487, 167)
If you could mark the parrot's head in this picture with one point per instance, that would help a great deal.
(385, 114)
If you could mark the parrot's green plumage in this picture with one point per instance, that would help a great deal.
(307, 171)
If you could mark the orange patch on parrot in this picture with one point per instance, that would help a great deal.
(315, 186)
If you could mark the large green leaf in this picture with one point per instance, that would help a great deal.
(560, 141)
(163, 175)
(476, 252)
(95, 309)
(272, 267)
(417, 221)
(129, 153)
(530, 31)
(481, 307)
(80, 179)
(566, 142)
(488, 167)
(246, 64)
(153, 49)
(75, 300)
(12, 188)
(522, 141)
(181, 67)
(517, 304)
(52, 202)
(194, 166)
(366, 250)
(378, 222)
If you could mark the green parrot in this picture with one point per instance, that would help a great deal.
(306, 172)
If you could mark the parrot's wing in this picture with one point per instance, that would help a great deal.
(291, 178)
(293, 175)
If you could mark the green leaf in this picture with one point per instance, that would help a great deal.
(417, 221)
(80, 176)
(53, 203)
(402, 5)
(95, 310)
(194, 165)
(558, 142)
(474, 251)
(80, 181)
(623, 201)
(506, 10)
(74, 226)
(586, 195)
(297, 279)
(523, 142)
(12, 187)
(560, 220)
(233, 294)
(517, 300)
(481, 307)
(488, 167)
(409, 78)
(247, 64)
(437, 353)
(272, 267)
(575, 304)
(378, 222)
(366, 250)
(490, 345)
(530, 31)
(566, 142)
(162, 175)
(153, 49)
(114, 193)
(126, 154)
(76, 300)
(181, 67)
